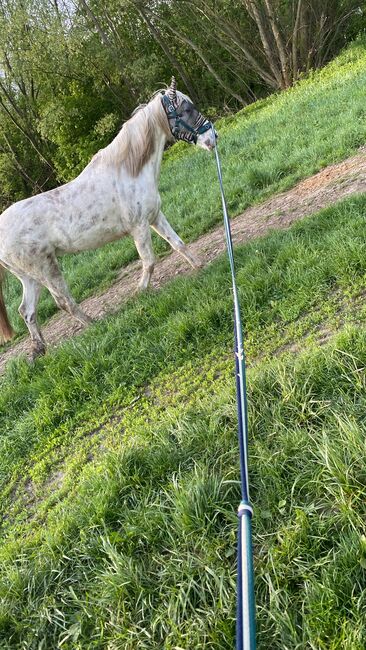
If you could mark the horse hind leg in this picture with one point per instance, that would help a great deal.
(27, 310)
(162, 226)
(58, 288)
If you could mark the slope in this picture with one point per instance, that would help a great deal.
(118, 452)
(119, 460)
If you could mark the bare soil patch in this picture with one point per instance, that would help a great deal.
(319, 191)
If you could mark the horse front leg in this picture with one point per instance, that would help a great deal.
(143, 243)
(162, 226)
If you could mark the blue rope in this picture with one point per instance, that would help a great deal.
(245, 619)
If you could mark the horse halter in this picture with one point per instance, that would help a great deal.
(179, 128)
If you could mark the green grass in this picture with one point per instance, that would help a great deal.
(119, 461)
(265, 148)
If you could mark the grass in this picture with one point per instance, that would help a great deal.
(265, 148)
(119, 461)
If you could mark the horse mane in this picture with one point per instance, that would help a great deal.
(135, 143)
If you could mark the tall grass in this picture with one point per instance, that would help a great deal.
(119, 461)
(142, 553)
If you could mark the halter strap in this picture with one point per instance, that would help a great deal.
(176, 128)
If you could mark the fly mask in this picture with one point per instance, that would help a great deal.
(185, 120)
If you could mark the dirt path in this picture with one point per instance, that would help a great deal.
(323, 189)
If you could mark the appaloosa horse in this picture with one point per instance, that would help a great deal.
(115, 195)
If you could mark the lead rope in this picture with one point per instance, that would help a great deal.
(245, 620)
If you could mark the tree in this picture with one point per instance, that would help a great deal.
(71, 71)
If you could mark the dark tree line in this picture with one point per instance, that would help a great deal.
(71, 71)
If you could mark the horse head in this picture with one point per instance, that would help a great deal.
(185, 120)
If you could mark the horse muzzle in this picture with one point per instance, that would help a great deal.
(208, 139)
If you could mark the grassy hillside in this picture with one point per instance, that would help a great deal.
(264, 148)
(118, 452)
(119, 461)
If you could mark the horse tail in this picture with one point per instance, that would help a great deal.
(6, 330)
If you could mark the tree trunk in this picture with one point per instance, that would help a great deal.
(219, 23)
(280, 44)
(265, 36)
(203, 58)
(30, 137)
(106, 42)
(18, 165)
(169, 54)
(295, 33)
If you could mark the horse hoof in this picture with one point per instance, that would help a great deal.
(88, 320)
(197, 263)
(38, 350)
(141, 288)
(143, 285)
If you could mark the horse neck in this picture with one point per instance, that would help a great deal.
(141, 142)
(157, 156)
(159, 132)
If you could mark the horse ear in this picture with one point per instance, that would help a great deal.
(172, 90)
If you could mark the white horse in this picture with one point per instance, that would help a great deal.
(115, 195)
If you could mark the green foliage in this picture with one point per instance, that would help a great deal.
(79, 125)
